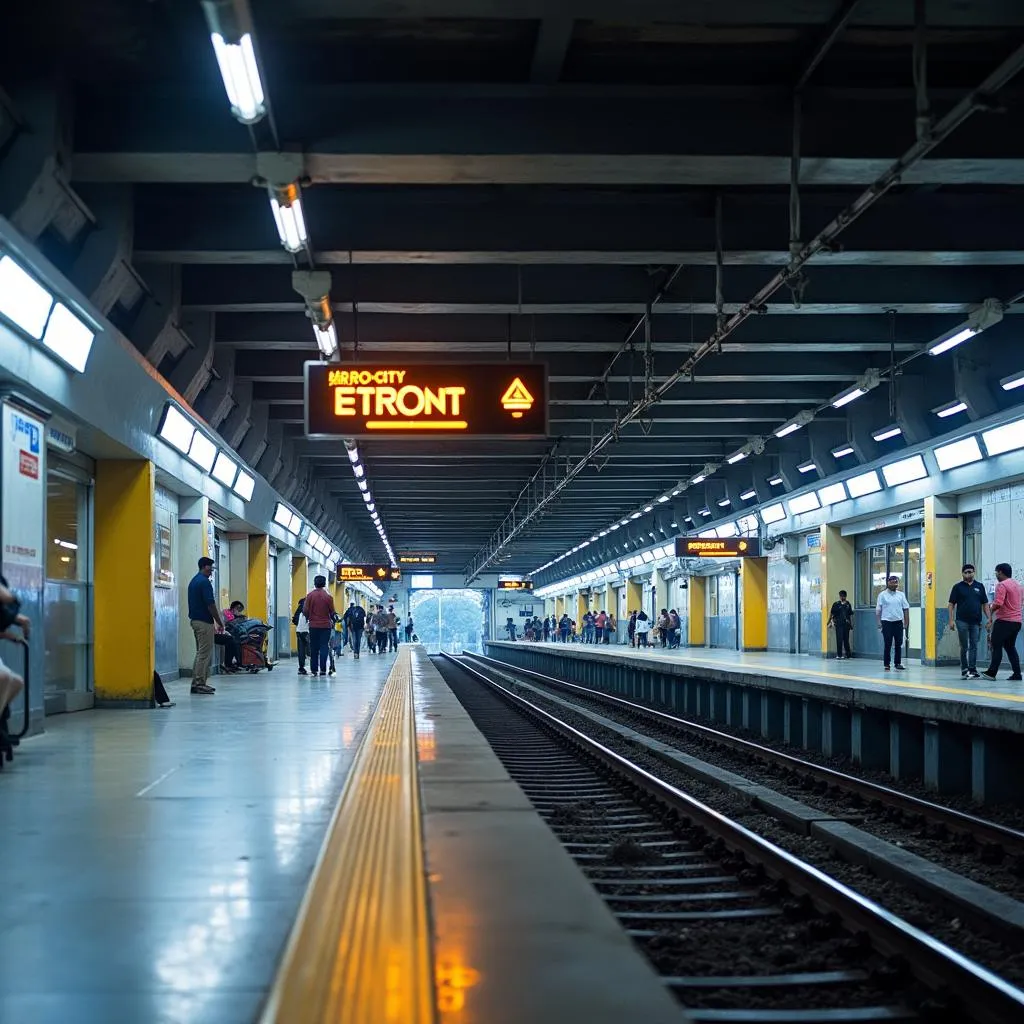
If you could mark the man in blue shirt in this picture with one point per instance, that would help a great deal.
(203, 614)
(969, 601)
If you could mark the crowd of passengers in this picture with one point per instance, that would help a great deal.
(601, 628)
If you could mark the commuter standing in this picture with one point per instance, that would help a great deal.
(301, 624)
(631, 629)
(392, 629)
(609, 628)
(840, 618)
(355, 619)
(674, 626)
(643, 627)
(564, 626)
(408, 630)
(1004, 617)
(318, 608)
(892, 610)
(380, 629)
(204, 617)
(967, 603)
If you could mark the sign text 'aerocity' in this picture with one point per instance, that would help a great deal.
(712, 547)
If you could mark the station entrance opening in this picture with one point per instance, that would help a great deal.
(450, 621)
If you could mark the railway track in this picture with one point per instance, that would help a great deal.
(740, 929)
(992, 841)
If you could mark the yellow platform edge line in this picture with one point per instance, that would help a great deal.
(360, 946)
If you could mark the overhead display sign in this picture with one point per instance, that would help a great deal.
(713, 547)
(426, 400)
(347, 573)
(417, 558)
(515, 584)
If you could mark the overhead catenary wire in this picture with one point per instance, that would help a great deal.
(977, 99)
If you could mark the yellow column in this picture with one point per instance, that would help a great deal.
(124, 637)
(943, 559)
(698, 603)
(634, 596)
(299, 591)
(581, 609)
(754, 613)
(559, 607)
(257, 578)
(838, 567)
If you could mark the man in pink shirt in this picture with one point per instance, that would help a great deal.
(1005, 609)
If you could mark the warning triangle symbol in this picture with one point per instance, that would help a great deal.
(517, 398)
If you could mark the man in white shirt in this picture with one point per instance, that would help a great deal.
(892, 610)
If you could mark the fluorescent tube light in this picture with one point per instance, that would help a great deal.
(176, 429)
(848, 396)
(68, 337)
(353, 454)
(282, 515)
(362, 485)
(244, 485)
(832, 493)
(958, 337)
(326, 339)
(738, 457)
(951, 409)
(885, 433)
(367, 497)
(804, 503)
(23, 300)
(773, 513)
(1007, 438)
(789, 428)
(286, 205)
(358, 470)
(648, 508)
(806, 467)
(990, 312)
(774, 481)
(865, 483)
(725, 503)
(959, 453)
(842, 451)
(705, 511)
(904, 471)
(371, 507)
(748, 494)
(1015, 380)
(677, 492)
(241, 75)
(636, 515)
(662, 499)
(225, 469)
(202, 451)
(699, 479)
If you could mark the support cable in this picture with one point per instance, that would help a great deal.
(977, 99)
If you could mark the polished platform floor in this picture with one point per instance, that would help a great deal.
(154, 861)
(864, 673)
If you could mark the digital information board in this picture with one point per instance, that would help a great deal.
(367, 573)
(712, 547)
(417, 558)
(426, 400)
(515, 584)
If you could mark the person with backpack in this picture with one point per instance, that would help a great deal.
(355, 619)
(301, 624)
(380, 629)
(643, 627)
(564, 626)
(675, 625)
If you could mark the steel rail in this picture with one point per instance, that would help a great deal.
(977, 99)
(980, 828)
(990, 999)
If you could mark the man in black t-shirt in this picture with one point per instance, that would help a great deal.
(840, 617)
(967, 602)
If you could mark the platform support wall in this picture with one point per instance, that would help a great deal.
(943, 547)
(837, 573)
(125, 632)
(696, 621)
(634, 597)
(299, 591)
(754, 613)
(193, 544)
(283, 612)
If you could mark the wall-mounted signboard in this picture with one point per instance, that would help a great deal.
(417, 558)
(515, 584)
(426, 400)
(712, 547)
(367, 573)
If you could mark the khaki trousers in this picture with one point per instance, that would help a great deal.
(204, 633)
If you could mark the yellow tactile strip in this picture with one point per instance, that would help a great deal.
(359, 950)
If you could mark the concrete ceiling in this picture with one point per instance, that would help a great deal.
(490, 179)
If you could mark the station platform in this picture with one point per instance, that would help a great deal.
(957, 735)
(296, 850)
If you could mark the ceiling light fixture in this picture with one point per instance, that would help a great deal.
(801, 419)
(286, 206)
(1015, 380)
(885, 433)
(842, 451)
(233, 46)
(807, 467)
(950, 409)
(989, 313)
(775, 481)
(748, 494)
(868, 382)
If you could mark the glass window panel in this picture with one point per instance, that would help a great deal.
(912, 582)
(879, 571)
(62, 514)
(863, 587)
(163, 548)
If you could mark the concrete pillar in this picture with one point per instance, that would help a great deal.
(258, 575)
(193, 544)
(696, 635)
(283, 612)
(837, 573)
(943, 557)
(634, 596)
(754, 610)
(300, 588)
(238, 567)
(124, 648)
